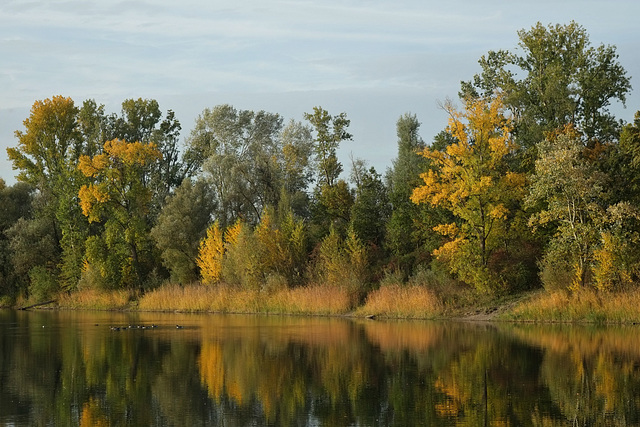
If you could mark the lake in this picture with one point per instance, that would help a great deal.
(142, 369)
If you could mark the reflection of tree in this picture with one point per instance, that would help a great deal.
(93, 415)
(245, 370)
(591, 373)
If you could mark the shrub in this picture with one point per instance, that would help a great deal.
(43, 283)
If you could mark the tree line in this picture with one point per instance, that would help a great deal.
(532, 182)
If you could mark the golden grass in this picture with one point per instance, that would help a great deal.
(226, 299)
(97, 299)
(398, 301)
(199, 298)
(313, 299)
(585, 305)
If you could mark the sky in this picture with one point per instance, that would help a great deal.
(374, 60)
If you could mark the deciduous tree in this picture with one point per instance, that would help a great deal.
(46, 156)
(558, 79)
(181, 225)
(118, 199)
(241, 154)
(572, 192)
(471, 180)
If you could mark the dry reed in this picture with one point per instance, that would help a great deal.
(192, 298)
(227, 299)
(97, 299)
(398, 301)
(314, 299)
(585, 305)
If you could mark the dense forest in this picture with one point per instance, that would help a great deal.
(533, 182)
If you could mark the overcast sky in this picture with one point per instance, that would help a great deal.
(372, 59)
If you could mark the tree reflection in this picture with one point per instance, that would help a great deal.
(248, 370)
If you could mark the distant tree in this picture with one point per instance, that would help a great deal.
(241, 154)
(558, 79)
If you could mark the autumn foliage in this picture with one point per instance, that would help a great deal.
(533, 182)
(471, 178)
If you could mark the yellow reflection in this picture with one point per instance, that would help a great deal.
(92, 415)
(211, 369)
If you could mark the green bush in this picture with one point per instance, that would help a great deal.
(43, 283)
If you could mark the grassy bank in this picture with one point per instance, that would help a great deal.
(582, 306)
(389, 301)
(320, 300)
(393, 300)
(195, 298)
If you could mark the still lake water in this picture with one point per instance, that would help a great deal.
(70, 368)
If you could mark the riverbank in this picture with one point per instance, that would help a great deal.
(390, 301)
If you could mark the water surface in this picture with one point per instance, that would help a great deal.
(73, 368)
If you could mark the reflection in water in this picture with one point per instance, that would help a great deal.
(70, 368)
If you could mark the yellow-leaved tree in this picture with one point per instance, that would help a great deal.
(118, 199)
(471, 178)
(210, 255)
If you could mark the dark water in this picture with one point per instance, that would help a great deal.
(70, 368)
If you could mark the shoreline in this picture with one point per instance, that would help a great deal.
(539, 306)
(586, 307)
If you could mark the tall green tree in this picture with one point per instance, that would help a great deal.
(403, 236)
(241, 153)
(119, 200)
(47, 156)
(332, 196)
(330, 132)
(557, 78)
(180, 227)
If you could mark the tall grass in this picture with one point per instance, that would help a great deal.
(313, 299)
(227, 299)
(584, 305)
(402, 301)
(97, 299)
(199, 298)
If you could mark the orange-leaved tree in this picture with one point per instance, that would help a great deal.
(471, 178)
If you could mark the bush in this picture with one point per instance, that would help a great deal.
(44, 283)
(343, 264)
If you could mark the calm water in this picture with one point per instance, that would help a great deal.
(71, 368)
